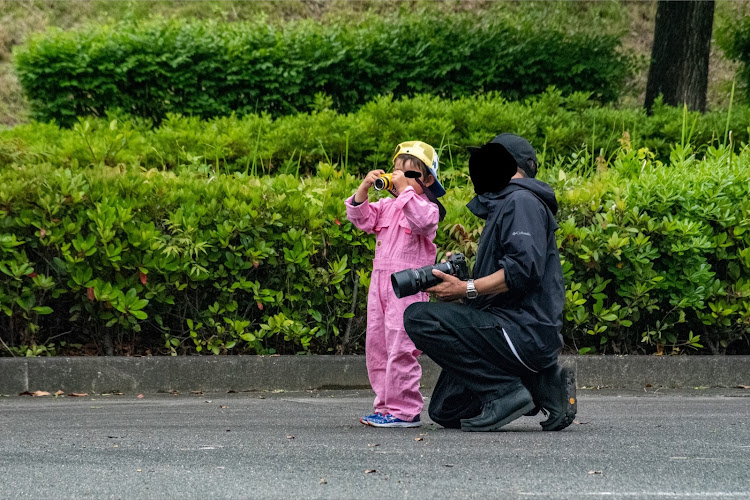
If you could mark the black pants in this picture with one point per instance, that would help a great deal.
(477, 362)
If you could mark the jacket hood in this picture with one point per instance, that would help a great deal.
(481, 203)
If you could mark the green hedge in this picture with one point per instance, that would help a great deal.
(120, 259)
(556, 125)
(658, 254)
(211, 69)
(220, 263)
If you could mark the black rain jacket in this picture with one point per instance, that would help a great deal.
(519, 236)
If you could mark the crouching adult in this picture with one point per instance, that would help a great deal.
(498, 348)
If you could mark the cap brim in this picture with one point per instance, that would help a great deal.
(437, 189)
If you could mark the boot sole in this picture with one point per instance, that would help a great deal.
(570, 405)
(497, 425)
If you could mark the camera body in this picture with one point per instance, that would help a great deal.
(385, 183)
(411, 281)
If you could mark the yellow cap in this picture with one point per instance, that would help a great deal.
(429, 157)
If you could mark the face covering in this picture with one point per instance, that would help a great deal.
(491, 168)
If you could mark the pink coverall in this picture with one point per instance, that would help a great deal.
(405, 228)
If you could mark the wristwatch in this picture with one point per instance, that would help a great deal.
(471, 292)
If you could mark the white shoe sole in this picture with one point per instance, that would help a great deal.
(396, 424)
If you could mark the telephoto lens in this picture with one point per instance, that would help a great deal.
(411, 281)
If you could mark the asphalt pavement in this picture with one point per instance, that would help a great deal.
(624, 444)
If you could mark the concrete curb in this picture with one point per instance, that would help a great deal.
(243, 373)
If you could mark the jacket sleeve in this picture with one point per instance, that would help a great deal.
(523, 238)
(422, 215)
(365, 215)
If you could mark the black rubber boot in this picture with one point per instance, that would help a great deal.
(499, 412)
(554, 391)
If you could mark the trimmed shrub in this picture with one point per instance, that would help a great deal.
(194, 263)
(556, 125)
(656, 257)
(658, 254)
(209, 69)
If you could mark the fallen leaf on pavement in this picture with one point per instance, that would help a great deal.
(25, 393)
(140, 396)
(448, 465)
(596, 472)
(78, 394)
(743, 387)
(58, 393)
(231, 391)
(197, 392)
(374, 444)
(418, 439)
(323, 480)
(40, 393)
(223, 406)
(370, 471)
(579, 423)
(289, 436)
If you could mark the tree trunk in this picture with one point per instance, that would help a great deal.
(679, 57)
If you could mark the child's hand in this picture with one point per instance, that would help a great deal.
(369, 179)
(400, 182)
(367, 183)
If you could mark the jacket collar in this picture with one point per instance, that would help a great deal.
(481, 204)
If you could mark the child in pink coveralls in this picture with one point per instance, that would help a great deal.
(405, 227)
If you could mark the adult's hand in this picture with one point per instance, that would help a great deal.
(450, 289)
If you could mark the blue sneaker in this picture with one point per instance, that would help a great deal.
(366, 419)
(388, 420)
